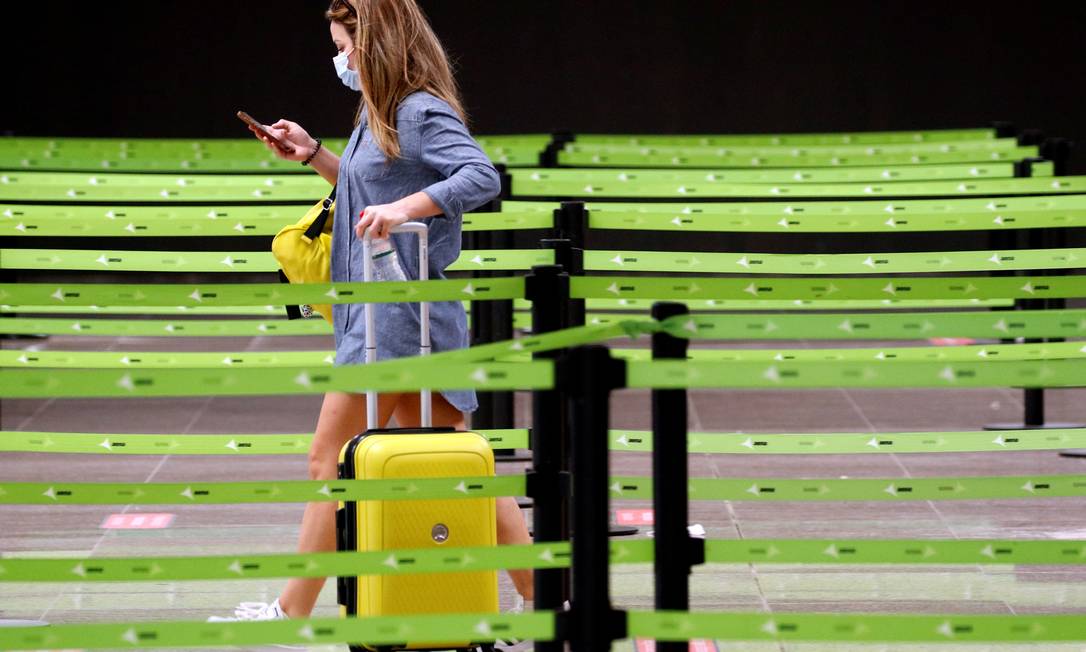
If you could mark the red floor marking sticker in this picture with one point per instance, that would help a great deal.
(633, 517)
(137, 521)
(952, 341)
(649, 645)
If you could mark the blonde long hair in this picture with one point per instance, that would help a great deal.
(396, 53)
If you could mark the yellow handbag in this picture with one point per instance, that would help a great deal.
(304, 252)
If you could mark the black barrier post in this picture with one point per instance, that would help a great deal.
(589, 374)
(482, 319)
(547, 287)
(675, 550)
(1058, 150)
(571, 260)
(571, 223)
(492, 321)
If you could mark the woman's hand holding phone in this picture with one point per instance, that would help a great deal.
(290, 133)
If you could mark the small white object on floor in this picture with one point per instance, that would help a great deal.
(697, 530)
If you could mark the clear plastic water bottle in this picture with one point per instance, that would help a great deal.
(386, 264)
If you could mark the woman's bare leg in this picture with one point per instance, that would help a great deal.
(511, 526)
(342, 416)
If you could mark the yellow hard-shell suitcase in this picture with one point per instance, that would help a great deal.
(370, 526)
(412, 524)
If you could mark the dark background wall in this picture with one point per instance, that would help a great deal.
(183, 68)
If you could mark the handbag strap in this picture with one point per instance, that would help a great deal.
(293, 312)
(317, 226)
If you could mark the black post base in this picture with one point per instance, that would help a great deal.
(1074, 452)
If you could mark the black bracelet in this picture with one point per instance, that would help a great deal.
(314, 154)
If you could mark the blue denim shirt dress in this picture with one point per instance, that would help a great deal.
(439, 157)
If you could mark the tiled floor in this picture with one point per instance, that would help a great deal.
(75, 531)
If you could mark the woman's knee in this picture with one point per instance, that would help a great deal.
(323, 463)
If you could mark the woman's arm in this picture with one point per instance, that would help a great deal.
(470, 180)
(385, 216)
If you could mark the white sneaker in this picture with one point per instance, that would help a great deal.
(519, 607)
(249, 611)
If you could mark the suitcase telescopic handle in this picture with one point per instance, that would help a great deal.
(426, 403)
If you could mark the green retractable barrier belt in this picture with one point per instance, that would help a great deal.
(548, 555)
(854, 629)
(890, 326)
(257, 294)
(601, 305)
(1051, 351)
(74, 187)
(829, 138)
(501, 259)
(515, 155)
(249, 311)
(832, 443)
(515, 348)
(864, 489)
(115, 161)
(232, 261)
(105, 161)
(621, 488)
(78, 383)
(796, 149)
(891, 263)
(872, 374)
(583, 156)
(594, 306)
(679, 288)
(236, 444)
(164, 220)
(665, 625)
(387, 630)
(165, 328)
(81, 180)
(45, 220)
(900, 209)
(186, 328)
(524, 259)
(776, 290)
(161, 360)
(288, 491)
(385, 377)
(856, 174)
(602, 217)
(620, 440)
(74, 220)
(328, 564)
(108, 187)
(649, 186)
(211, 158)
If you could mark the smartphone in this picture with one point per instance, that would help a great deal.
(248, 119)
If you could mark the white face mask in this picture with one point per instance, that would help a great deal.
(349, 77)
